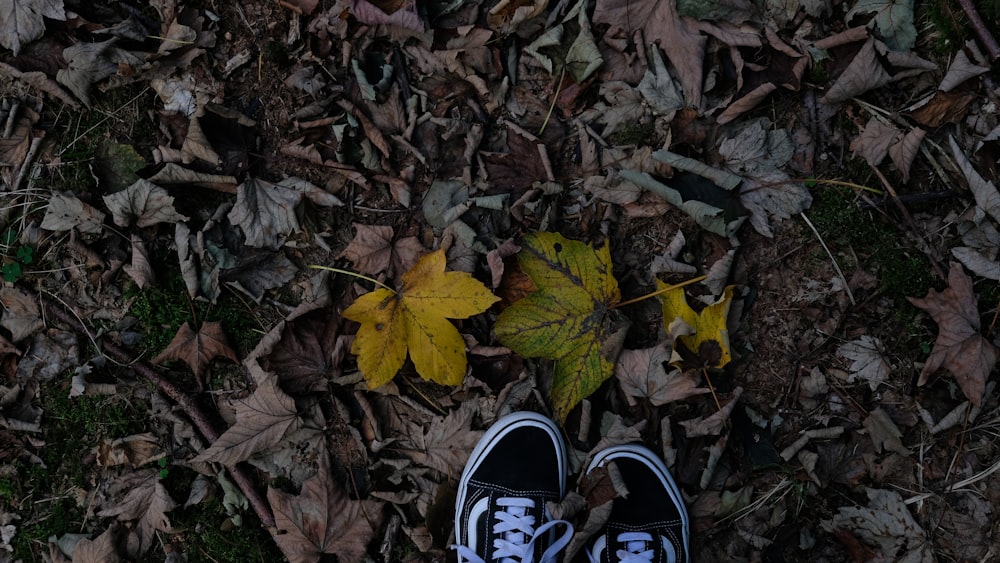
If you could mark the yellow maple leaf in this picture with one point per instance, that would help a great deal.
(698, 331)
(569, 318)
(415, 320)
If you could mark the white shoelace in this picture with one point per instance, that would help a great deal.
(517, 535)
(636, 544)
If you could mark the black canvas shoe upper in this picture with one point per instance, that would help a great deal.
(651, 524)
(517, 466)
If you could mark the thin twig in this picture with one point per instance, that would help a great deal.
(836, 266)
(910, 222)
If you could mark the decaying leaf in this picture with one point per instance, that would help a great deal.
(22, 315)
(143, 202)
(446, 442)
(140, 270)
(373, 252)
(873, 67)
(705, 333)
(323, 519)
(66, 212)
(100, 549)
(262, 420)
(198, 349)
(642, 375)
(660, 23)
(265, 212)
(713, 424)
(569, 318)
(893, 18)
(415, 319)
(985, 192)
(885, 524)
(959, 346)
(147, 503)
(24, 21)
(884, 432)
(867, 360)
(308, 351)
(136, 450)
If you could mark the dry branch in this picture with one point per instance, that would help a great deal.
(976, 21)
(198, 417)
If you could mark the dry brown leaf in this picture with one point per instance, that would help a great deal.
(960, 70)
(198, 349)
(21, 313)
(265, 212)
(446, 442)
(905, 150)
(941, 108)
(140, 270)
(865, 72)
(147, 503)
(101, 549)
(867, 360)
(66, 212)
(262, 420)
(885, 524)
(373, 252)
(323, 519)
(874, 141)
(659, 21)
(25, 21)
(712, 425)
(884, 432)
(136, 450)
(308, 352)
(402, 13)
(143, 202)
(642, 375)
(959, 346)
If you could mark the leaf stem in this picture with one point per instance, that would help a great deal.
(352, 274)
(658, 292)
(842, 183)
(555, 98)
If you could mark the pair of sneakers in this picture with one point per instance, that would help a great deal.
(520, 464)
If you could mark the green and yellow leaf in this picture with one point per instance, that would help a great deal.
(415, 320)
(699, 331)
(569, 318)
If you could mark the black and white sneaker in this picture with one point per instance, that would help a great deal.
(500, 514)
(651, 524)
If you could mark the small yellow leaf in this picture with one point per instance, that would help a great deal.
(698, 331)
(415, 319)
(569, 318)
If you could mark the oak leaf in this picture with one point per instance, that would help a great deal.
(569, 318)
(959, 346)
(262, 420)
(198, 349)
(415, 319)
(322, 519)
(642, 375)
(704, 332)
